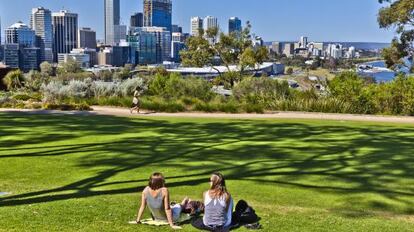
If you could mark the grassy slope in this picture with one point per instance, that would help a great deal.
(70, 173)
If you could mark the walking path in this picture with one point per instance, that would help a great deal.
(124, 112)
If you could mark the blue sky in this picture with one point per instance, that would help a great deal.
(274, 20)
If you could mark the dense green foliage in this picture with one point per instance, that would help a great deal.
(400, 15)
(346, 93)
(84, 173)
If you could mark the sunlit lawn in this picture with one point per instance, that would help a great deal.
(83, 173)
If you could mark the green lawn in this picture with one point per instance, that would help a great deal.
(83, 173)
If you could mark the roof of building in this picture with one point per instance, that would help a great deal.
(217, 69)
(18, 25)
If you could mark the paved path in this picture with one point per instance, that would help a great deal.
(124, 112)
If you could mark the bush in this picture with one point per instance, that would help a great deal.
(161, 105)
(261, 91)
(127, 87)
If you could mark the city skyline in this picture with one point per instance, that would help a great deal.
(315, 19)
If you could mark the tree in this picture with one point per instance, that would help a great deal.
(400, 15)
(14, 80)
(71, 66)
(231, 49)
(46, 68)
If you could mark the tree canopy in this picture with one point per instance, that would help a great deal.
(398, 14)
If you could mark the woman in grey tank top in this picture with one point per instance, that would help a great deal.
(218, 206)
(157, 198)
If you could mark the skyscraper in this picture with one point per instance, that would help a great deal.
(21, 51)
(112, 18)
(20, 33)
(235, 25)
(210, 22)
(86, 38)
(137, 20)
(65, 30)
(303, 41)
(196, 25)
(41, 23)
(158, 13)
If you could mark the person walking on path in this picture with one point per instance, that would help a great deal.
(135, 101)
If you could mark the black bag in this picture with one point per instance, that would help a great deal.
(244, 214)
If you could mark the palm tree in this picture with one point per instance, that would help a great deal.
(14, 80)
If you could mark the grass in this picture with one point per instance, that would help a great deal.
(84, 173)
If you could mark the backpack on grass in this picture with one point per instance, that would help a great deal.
(244, 215)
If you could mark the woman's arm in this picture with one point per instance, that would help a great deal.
(142, 208)
(168, 211)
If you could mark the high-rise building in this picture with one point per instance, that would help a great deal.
(86, 38)
(112, 18)
(235, 25)
(41, 23)
(143, 47)
(21, 51)
(65, 30)
(150, 45)
(158, 13)
(120, 32)
(196, 25)
(210, 22)
(137, 20)
(277, 47)
(303, 42)
(20, 33)
(289, 49)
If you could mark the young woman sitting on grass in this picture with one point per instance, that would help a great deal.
(157, 198)
(218, 206)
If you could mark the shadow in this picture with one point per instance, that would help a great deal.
(325, 157)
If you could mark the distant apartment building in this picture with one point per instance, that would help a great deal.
(277, 47)
(177, 44)
(196, 25)
(235, 25)
(334, 51)
(41, 23)
(65, 31)
(303, 43)
(210, 22)
(86, 38)
(289, 49)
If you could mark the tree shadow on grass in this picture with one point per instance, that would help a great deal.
(362, 158)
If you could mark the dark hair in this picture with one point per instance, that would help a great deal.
(218, 186)
(156, 181)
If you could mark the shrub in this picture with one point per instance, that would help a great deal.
(127, 87)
